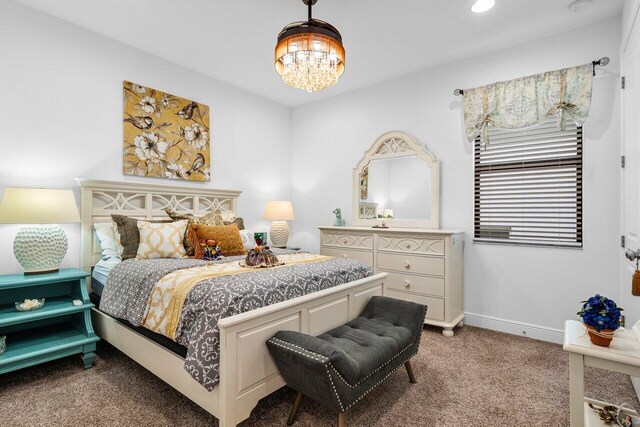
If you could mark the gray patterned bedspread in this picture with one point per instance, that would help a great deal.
(131, 282)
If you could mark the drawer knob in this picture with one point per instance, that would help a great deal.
(407, 284)
(406, 264)
(408, 245)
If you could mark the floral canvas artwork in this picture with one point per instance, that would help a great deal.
(165, 136)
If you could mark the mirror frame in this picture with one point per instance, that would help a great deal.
(396, 144)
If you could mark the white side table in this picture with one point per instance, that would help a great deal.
(623, 355)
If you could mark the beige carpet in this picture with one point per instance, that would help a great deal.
(477, 378)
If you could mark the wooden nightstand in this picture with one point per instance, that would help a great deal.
(623, 355)
(56, 330)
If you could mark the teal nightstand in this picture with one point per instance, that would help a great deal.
(56, 330)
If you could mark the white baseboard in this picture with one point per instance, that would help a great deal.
(537, 332)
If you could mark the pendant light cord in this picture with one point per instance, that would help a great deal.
(310, 6)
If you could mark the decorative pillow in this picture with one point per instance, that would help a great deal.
(248, 240)
(161, 240)
(227, 236)
(107, 239)
(239, 222)
(127, 229)
(212, 218)
(116, 235)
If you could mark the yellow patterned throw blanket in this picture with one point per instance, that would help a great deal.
(168, 295)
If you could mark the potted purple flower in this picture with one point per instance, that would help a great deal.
(601, 316)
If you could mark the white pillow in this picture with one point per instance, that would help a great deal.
(107, 240)
(248, 240)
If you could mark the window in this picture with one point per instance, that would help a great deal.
(528, 186)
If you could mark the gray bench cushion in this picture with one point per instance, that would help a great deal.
(340, 366)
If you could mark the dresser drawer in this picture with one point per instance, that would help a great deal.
(411, 264)
(364, 257)
(435, 306)
(418, 284)
(412, 244)
(348, 240)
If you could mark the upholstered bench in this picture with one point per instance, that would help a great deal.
(341, 366)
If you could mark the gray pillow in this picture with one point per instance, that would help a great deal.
(129, 234)
(239, 222)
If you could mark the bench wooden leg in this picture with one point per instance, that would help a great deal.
(407, 365)
(341, 420)
(294, 410)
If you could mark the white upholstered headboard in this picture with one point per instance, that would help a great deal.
(100, 199)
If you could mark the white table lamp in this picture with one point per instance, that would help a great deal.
(40, 245)
(279, 211)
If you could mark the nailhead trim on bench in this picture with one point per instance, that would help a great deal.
(289, 346)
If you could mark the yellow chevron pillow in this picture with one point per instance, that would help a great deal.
(161, 240)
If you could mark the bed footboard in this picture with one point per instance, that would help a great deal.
(247, 372)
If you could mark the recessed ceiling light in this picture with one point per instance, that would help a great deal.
(482, 5)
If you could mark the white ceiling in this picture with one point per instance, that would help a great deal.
(233, 40)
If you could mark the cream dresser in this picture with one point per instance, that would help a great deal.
(424, 265)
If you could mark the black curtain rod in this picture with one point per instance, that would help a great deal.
(602, 62)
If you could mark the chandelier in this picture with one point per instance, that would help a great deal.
(309, 54)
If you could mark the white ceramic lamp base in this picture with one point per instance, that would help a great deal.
(40, 248)
(279, 233)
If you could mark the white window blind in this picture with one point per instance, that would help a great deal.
(528, 186)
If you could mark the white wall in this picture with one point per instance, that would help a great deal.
(523, 284)
(61, 106)
(61, 117)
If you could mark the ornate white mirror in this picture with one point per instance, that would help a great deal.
(398, 181)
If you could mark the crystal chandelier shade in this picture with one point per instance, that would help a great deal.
(310, 55)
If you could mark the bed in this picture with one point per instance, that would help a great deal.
(246, 371)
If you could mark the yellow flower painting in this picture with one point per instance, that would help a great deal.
(165, 136)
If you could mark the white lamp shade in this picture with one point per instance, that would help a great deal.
(279, 210)
(38, 206)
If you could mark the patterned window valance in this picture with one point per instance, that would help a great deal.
(528, 101)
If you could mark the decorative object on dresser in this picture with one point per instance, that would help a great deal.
(40, 246)
(424, 266)
(341, 366)
(165, 136)
(339, 222)
(279, 211)
(601, 316)
(403, 183)
(60, 328)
